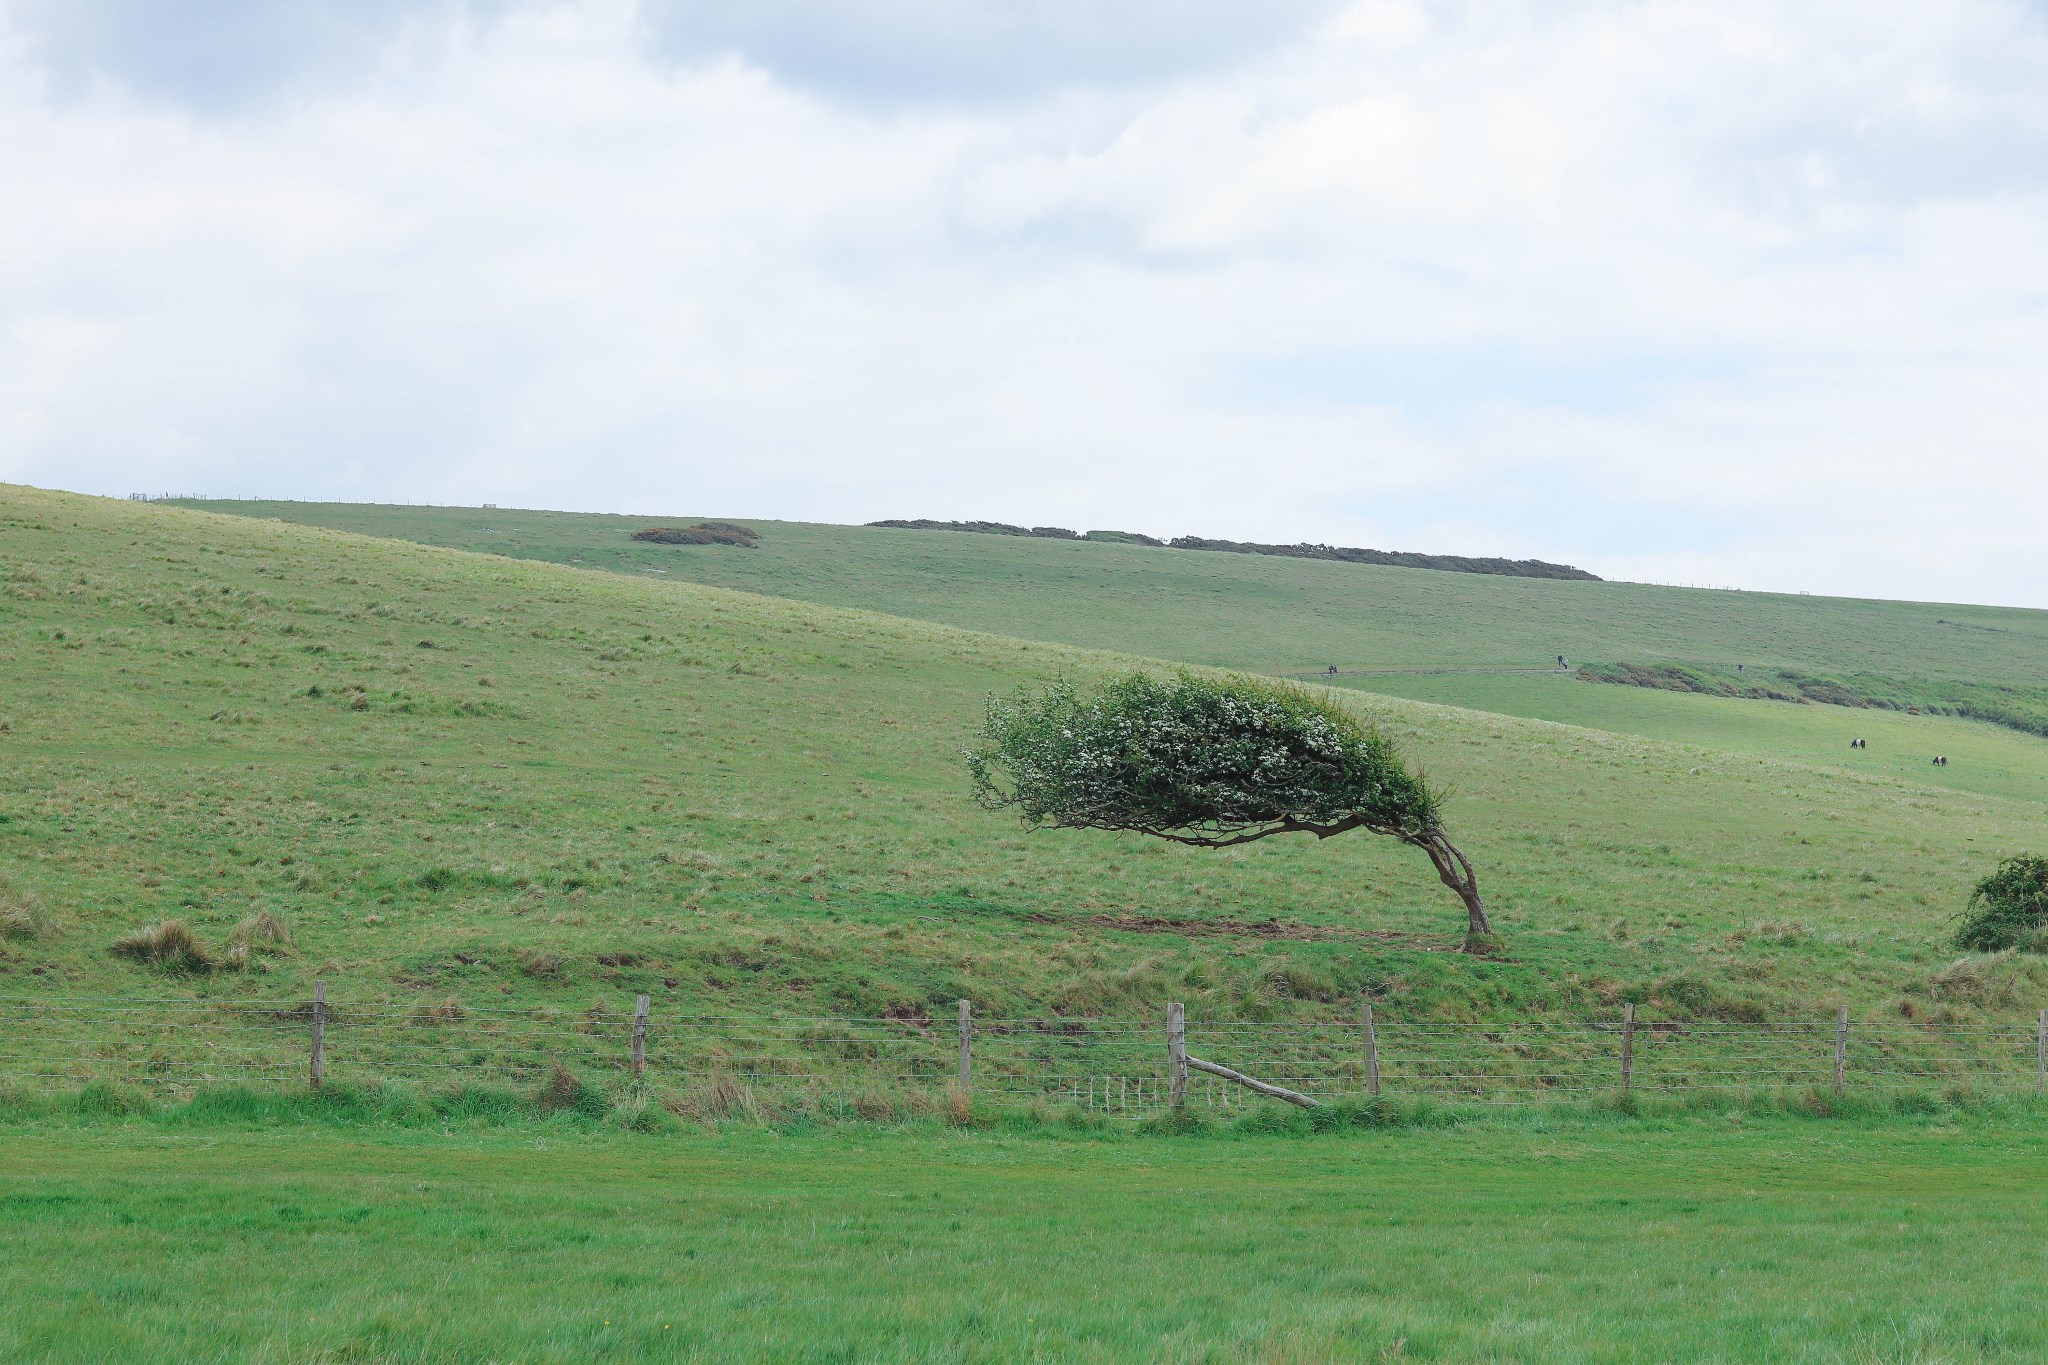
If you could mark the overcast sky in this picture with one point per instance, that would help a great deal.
(1730, 292)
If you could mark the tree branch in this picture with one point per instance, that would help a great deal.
(1287, 826)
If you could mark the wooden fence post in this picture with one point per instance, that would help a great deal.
(319, 1033)
(966, 1045)
(2041, 1051)
(1841, 1045)
(1628, 1046)
(640, 1008)
(1177, 1056)
(1372, 1048)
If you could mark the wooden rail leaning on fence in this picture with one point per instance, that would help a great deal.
(1180, 1063)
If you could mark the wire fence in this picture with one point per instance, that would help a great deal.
(1115, 1067)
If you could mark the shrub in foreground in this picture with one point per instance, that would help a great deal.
(2009, 908)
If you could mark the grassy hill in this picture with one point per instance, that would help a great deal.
(1394, 631)
(1246, 611)
(437, 767)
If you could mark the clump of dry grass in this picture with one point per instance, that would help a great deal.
(263, 930)
(170, 945)
(261, 933)
(1992, 981)
(22, 916)
(565, 1091)
(718, 1097)
(536, 963)
(449, 1011)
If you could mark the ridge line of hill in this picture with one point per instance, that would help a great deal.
(1346, 554)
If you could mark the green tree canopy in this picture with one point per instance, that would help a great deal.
(1210, 762)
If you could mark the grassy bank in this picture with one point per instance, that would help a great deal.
(457, 776)
(1690, 1239)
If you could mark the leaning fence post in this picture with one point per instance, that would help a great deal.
(1372, 1048)
(966, 1045)
(319, 1033)
(1177, 1056)
(640, 1007)
(1841, 1045)
(1628, 1045)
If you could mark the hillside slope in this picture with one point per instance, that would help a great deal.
(1393, 631)
(434, 765)
(1247, 611)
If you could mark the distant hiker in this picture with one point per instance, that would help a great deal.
(1738, 668)
(1560, 661)
(1333, 670)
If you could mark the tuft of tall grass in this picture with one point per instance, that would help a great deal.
(22, 917)
(171, 945)
(263, 930)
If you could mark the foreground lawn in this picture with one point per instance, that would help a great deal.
(1767, 1239)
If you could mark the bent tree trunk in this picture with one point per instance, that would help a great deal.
(1456, 872)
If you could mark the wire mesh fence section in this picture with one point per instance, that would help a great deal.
(445, 1043)
(784, 1054)
(1097, 1065)
(1949, 1057)
(1101, 1066)
(1706, 1057)
(167, 1045)
(1324, 1060)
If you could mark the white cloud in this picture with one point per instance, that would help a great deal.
(1749, 293)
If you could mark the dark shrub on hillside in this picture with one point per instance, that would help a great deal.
(986, 528)
(2009, 908)
(1404, 559)
(703, 533)
(1682, 678)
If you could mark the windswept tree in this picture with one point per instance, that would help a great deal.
(1212, 763)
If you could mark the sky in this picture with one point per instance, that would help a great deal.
(1738, 293)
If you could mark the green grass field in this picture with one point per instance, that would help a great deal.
(470, 782)
(1557, 1240)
